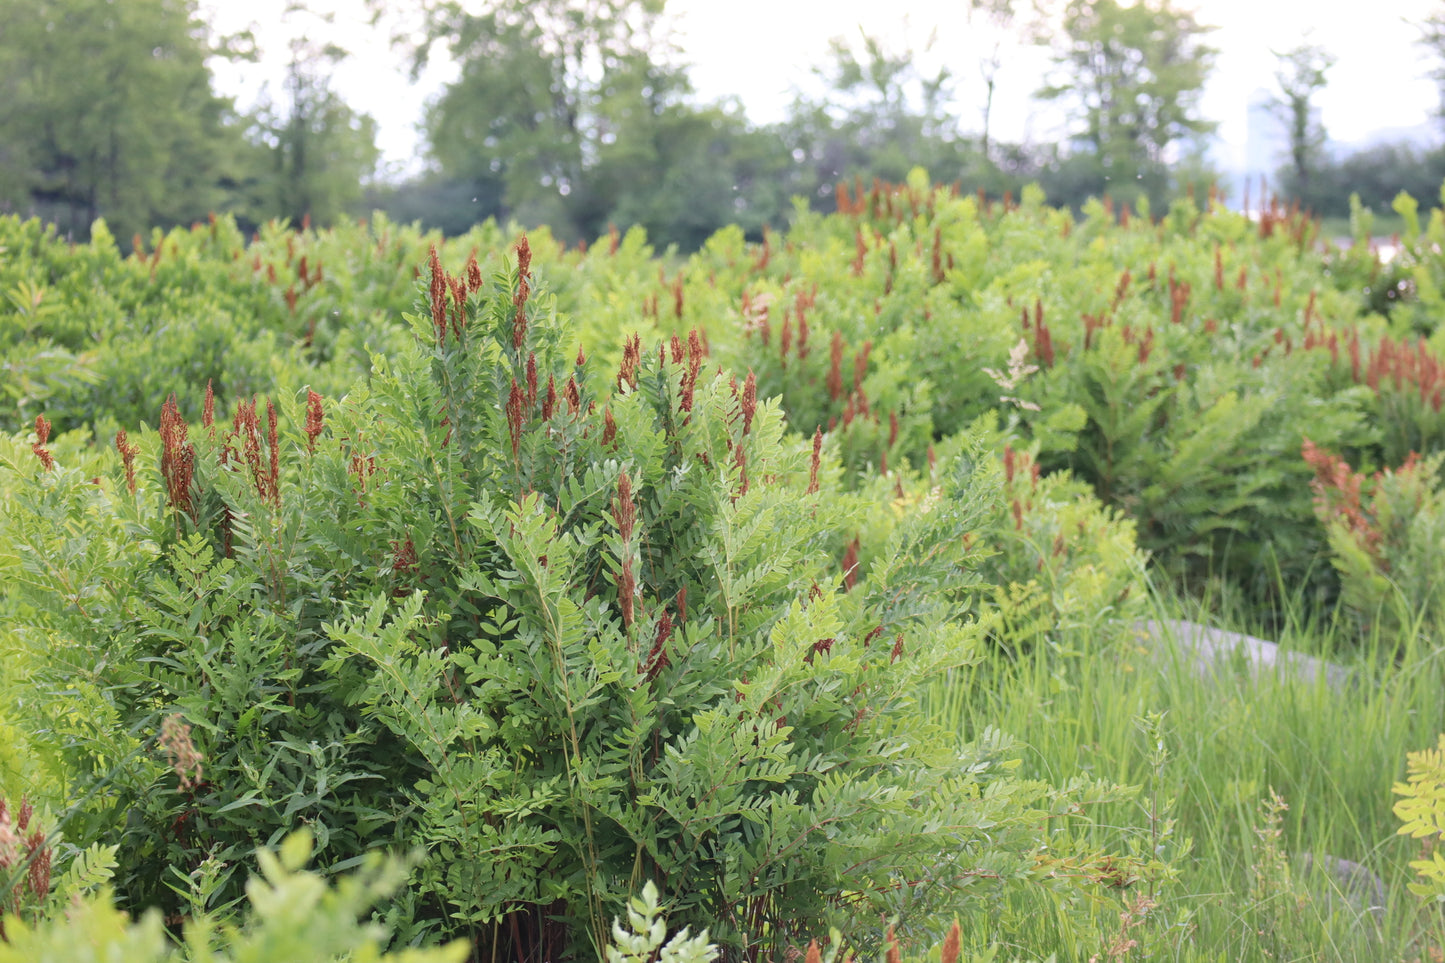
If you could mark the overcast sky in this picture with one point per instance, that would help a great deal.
(762, 51)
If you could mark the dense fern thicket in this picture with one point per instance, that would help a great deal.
(1175, 363)
(563, 571)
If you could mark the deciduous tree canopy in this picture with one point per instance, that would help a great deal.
(1137, 72)
(107, 108)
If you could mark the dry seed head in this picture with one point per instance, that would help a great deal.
(657, 659)
(631, 360)
(951, 944)
(474, 273)
(315, 419)
(573, 396)
(749, 401)
(177, 457)
(438, 296)
(9, 839)
(39, 874)
(860, 366)
(835, 371)
(624, 509)
(816, 462)
(180, 751)
(624, 512)
(516, 402)
(127, 457)
(42, 432)
(524, 257)
(609, 428)
(459, 305)
(694, 365)
(273, 473)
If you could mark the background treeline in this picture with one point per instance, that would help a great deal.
(583, 115)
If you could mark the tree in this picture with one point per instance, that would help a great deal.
(533, 107)
(1432, 38)
(572, 113)
(882, 115)
(1301, 75)
(1137, 73)
(315, 154)
(1000, 15)
(683, 173)
(107, 109)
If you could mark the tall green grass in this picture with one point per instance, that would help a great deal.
(1080, 704)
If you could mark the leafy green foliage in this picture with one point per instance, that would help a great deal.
(1422, 811)
(642, 940)
(110, 109)
(560, 641)
(1137, 71)
(32, 856)
(567, 623)
(1386, 536)
(292, 915)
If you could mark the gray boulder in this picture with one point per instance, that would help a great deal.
(1211, 650)
(1346, 884)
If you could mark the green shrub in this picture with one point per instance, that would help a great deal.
(39, 873)
(1422, 811)
(561, 642)
(1387, 539)
(293, 915)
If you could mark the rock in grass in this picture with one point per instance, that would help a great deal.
(1210, 650)
(1361, 890)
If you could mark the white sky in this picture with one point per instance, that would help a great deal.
(761, 51)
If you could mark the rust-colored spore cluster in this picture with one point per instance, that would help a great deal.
(178, 458)
(23, 844)
(624, 512)
(1338, 495)
(315, 419)
(524, 290)
(42, 436)
(127, 457)
(180, 752)
(246, 431)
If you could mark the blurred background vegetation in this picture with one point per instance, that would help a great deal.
(582, 115)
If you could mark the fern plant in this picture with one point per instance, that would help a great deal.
(1421, 810)
(292, 915)
(564, 631)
